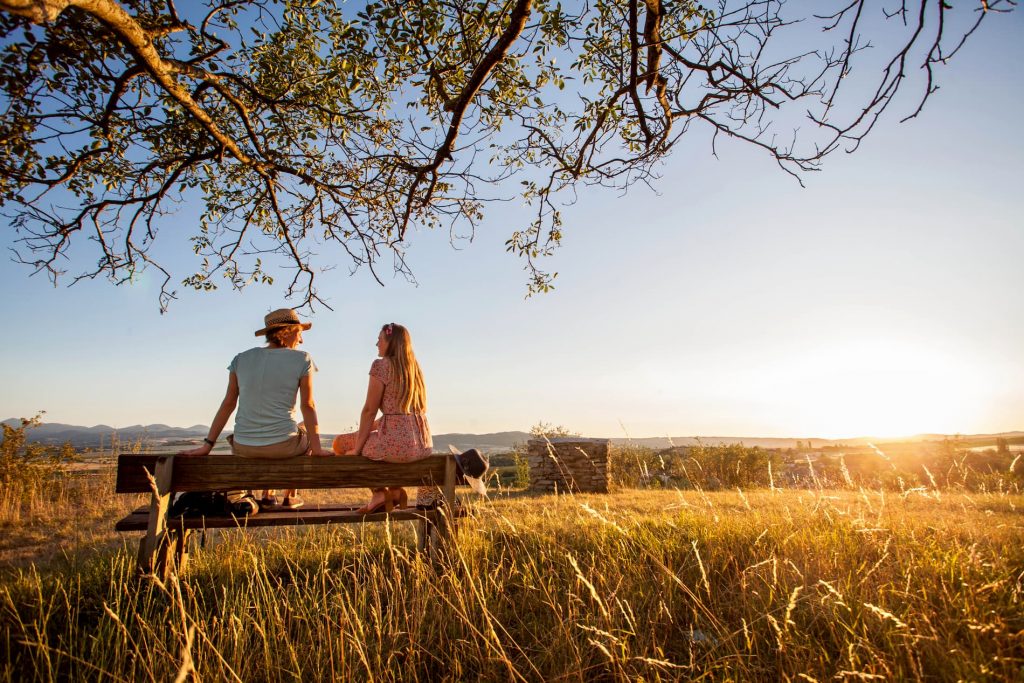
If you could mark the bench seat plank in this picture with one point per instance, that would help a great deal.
(137, 520)
(222, 472)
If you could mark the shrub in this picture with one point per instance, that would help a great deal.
(522, 469)
(700, 466)
(730, 466)
(633, 466)
(25, 465)
(550, 431)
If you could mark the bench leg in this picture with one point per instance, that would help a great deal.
(440, 521)
(422, 534)
(164, 566)
(171, 554)
(441, 528)
(181, 540)
(142, 557)
(152, 551)
(152, 545)
(439, 534)
(154, 557)
(430, 532)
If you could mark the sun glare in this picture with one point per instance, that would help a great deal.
(880, 389)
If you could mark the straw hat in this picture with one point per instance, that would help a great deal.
(282, 317)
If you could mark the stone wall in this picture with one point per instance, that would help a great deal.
(568, 464)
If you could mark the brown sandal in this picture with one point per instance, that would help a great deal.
(384, 505)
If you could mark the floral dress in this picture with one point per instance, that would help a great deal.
(396, 436)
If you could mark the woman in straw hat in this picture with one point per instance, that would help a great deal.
(263, 384)
(401, 434)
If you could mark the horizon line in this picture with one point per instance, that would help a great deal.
(869, 437)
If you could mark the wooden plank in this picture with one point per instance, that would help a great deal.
(131, 473)
(325, 514)
(131, 522)
(137, 521)
(224, 472)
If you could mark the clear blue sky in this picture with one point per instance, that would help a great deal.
(885, 298)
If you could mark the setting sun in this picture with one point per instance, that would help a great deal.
(879, 388)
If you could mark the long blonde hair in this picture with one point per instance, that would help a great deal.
(406, 373)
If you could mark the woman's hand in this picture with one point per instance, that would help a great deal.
(201, 450)
(352, 451)
(318, 450)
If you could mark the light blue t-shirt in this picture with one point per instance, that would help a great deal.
(268, 383)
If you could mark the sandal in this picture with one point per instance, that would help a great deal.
(293, 502)
(384, 505)
(399, 498)
(268, 502)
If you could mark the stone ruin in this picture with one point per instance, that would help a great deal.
(565, 464)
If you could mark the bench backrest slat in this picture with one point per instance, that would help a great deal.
(221, 472)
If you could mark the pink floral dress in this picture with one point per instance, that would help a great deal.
(396, 436)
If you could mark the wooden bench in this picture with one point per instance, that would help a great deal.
(165, 544)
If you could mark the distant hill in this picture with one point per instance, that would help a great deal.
(763, 442)
(91, 437)
(489, 443)
(497, 442)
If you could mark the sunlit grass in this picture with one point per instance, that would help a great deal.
(639, 585)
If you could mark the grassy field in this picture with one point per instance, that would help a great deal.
(641, 585)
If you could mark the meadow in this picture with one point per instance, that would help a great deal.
(640, 584)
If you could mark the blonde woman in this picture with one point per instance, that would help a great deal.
(401, 434)
(264, 383)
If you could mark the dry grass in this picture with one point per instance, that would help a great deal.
(638, 585)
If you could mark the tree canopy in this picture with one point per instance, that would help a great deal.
(324, 132)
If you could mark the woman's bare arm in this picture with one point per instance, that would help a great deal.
(309, 417)
(374, 397)
(227, 406)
